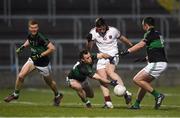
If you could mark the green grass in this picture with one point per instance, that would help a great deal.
(38, 102)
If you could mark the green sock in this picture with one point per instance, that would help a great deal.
(88, 102)
(57, 94)
(16, 93)
(84, 100)
(155, 93)
(137, 103)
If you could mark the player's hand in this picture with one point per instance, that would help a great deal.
(20, 49)
(113, 82)
(124, 52)
(35, 57)
(111, 59)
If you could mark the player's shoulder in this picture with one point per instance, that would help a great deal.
(41, 35)
(157, 32)
(93, 30)
(113, 28)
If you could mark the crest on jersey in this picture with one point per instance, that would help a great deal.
(110, 36)
(104, 38)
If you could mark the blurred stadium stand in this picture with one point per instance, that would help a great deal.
(67, 22)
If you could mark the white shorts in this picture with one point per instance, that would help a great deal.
(45, 71)
(103, 62)
(155, 68)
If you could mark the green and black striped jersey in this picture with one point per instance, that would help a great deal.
(81, 71)
(38, 44)
(154, 46)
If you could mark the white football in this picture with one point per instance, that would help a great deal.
(119, 90)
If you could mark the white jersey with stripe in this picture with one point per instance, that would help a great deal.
(108, 43)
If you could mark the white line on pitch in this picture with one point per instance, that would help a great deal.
(72, 92)
(79, 104)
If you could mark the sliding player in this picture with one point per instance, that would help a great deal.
(82, 69)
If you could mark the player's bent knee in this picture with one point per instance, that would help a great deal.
(135, 80)
(52, 82)
(21, 77)
(75, 86)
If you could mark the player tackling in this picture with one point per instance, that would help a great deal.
(157, 62)
(77, 78)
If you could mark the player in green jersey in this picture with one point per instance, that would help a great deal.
(157, 62)
(81, 70)
(40, 48)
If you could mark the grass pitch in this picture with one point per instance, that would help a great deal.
(38, 103)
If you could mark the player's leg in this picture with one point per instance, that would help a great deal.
(88, 89)
(101, 71)
(110, 69)
(105, 89)
(148, 74)
(142, 79)
(52, 84)
(76, 85)
(140, 95)
(156, 70)
(46, 73)
(141, 91)
(26, 69)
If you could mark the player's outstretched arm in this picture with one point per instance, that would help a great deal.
(135, 48)
(98, 77)
(20, 49)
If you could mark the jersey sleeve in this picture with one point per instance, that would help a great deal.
(117, 33)
(146, 37)
(92, 32)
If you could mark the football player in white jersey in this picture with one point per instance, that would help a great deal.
(106, 39)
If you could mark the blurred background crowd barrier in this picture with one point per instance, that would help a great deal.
(66, 23)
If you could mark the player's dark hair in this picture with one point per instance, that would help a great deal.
(100, 22)
(149, 20)
(82, 53)
(32, 22)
